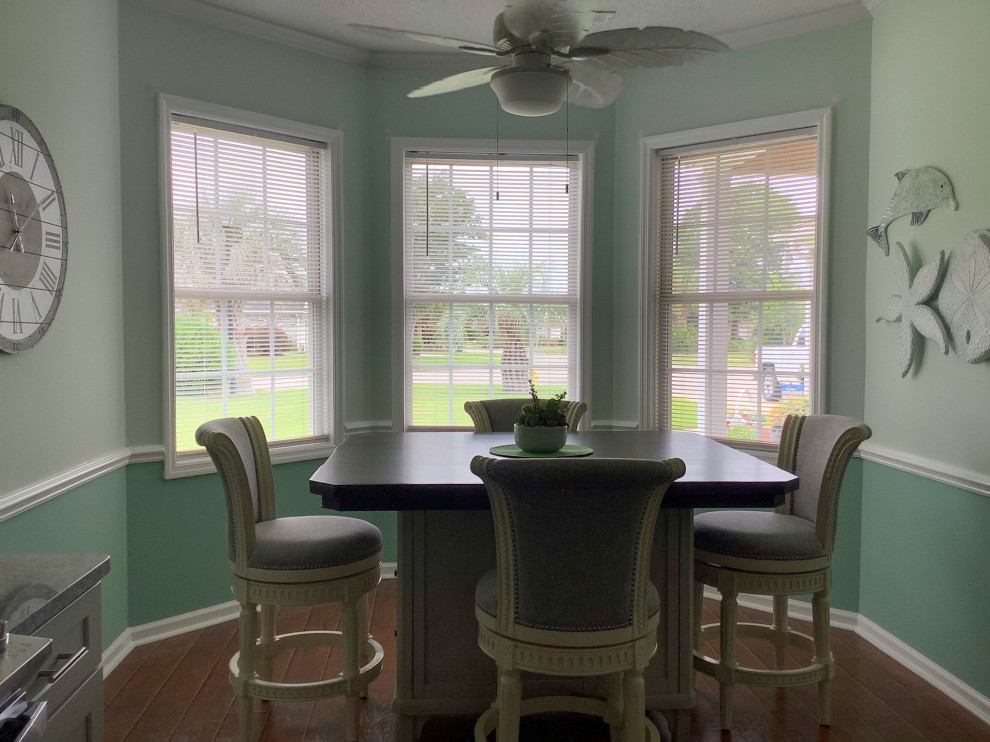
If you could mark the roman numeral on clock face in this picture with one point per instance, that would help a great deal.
(48, 278)
(16, 321)
(17, 147)
(37, 309)
(47, 201)
(53, 241)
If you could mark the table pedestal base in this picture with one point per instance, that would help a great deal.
(440, 669)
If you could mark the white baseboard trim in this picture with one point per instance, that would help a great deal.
(135, 636)
(115, 653)
(963, 694)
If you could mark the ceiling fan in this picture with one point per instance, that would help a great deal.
(545, 50)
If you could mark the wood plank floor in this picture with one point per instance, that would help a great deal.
(177, 690)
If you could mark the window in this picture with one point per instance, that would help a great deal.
(248, 240)
(735, 278)
(492, 291)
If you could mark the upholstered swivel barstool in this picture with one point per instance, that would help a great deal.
(571, 594)
(499, 415)
(786, 552)
(305, 560)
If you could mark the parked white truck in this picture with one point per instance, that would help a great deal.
(792, 363)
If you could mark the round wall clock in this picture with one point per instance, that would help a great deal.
(33, 236)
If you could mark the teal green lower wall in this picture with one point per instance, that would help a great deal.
(88, 519)
(925, 574)
(177, 538)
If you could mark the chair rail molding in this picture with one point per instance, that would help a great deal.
(25, 498)
(939, 471)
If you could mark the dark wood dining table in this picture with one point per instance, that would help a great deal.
(446, 542)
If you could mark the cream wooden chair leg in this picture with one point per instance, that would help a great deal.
(780, 630)
(267, 639)
(509, 701)
(727, 655)
(634, 728)
(823, 654)
(366, 650)
(616, 703)
(245, 668)
(350, 627)
(699, 604)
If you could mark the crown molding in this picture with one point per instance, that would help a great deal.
(842, 15)
(875, 6)
(197, 11)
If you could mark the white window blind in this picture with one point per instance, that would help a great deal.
(737, 234)
(491, 280)
(250, 308)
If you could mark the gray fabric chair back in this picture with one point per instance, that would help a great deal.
(573, 538)
(502, 413)
(239, 451)
(817, 448)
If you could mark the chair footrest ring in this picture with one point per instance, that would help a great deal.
(255, 687)
(712, 632)
(488, 721)
(726, 675)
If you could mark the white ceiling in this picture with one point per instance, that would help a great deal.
(321, 25)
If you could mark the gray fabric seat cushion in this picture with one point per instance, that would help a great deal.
(313, 542)
(486, 598)
(757, 535)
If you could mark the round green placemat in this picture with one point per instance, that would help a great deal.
(513, 451)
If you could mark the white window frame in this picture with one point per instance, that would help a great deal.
(188, 464)
(819, 119)
(584, 151)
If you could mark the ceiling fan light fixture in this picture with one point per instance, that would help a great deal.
(525, 91)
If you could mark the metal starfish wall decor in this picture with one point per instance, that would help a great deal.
(907, 306)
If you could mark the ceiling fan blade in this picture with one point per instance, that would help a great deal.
(398, 33)
(592, 86)
(460, 81)
(653, 46)
(562, 21)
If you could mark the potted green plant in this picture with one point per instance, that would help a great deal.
(541, 426)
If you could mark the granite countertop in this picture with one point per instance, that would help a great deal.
(35, 587)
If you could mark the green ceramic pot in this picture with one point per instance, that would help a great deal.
(540, 439)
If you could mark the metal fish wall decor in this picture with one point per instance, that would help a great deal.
(918, 191)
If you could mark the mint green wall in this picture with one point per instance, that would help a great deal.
(58, 64)
(62, 405)
(471, 114)
(925, 549)
(89, 519)
(924, 575)
(826, 69)
(162, 53)
(177, 537)
(931, 101)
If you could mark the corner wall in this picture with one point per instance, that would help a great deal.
(925, 547)
(175, 528)
(826, 69)
(62, 405)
